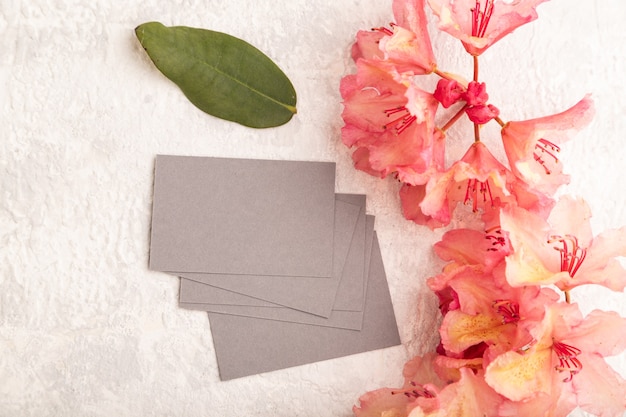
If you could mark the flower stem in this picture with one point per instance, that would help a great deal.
(475, 68)
(500, 122)
(567, 297)
(476, 132)
(454, 119)
(442, 74)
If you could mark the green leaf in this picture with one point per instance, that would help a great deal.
(220, 74)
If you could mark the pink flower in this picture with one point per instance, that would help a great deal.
(562, 249)
(381, 402)
(411, 197)
(468, 397)
(407, 46)
(478, 24)
(421, 384)
(390, 124)
(477, 179)
(471, 247)
(490, 311)
(532, 146)
(405, 49)
(367, 45)
(566, 362)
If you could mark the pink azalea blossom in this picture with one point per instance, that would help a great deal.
(490, 311)
(566, 361)
(562, 249)
(381, 402)
(471, 247)
(390, 124)
(405, 48)
(478, 24)
(532, 146)
(408, 46)
(367, 45)
(477, 179)
(469, 397)
(421, 385)
(411, 197)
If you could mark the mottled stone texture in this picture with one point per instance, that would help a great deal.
(87, 330)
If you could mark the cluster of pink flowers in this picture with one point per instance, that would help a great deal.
(512, 341)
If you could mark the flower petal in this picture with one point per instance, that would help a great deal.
(381, 402)
(599, 389)
(456, 18)
(520, 376)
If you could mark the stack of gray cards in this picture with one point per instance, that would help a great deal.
(289, 272)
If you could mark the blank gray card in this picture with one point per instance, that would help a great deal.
(247, 346)
(242, 216)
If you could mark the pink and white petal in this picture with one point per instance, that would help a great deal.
(361, 158)
(460, 331)
(407, 53)
(422, 105)
(469, 397)
(541, 405)
(367, 45)
(605, 247)
(455, 17)
(524, 267)
(421, 370)
(410, 14)
(381, 402)
(410, 197)
(465, 246)
(599, 389)
(601, 332)
(520, 376)
(571, 216)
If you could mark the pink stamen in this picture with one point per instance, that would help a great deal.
(568, 361)
(476, 188)
(572, 255)
(385, 30)
(495, 235)
(415, 392)
(400, 123)
(480, 18)
(545, 147)
(508, 309)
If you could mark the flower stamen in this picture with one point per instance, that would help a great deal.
(572, 255)
(401, 123)
(480, 18)
(568, 361)
(545, 147)
(508, 309)
(475, 188)
(495, 235)
(415, 392)
(385, 30)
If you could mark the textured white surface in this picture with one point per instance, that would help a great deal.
(86, 329)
